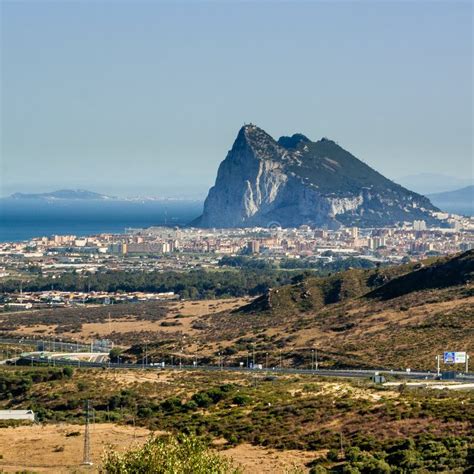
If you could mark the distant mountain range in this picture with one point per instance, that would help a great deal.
(295, 181)
(460, 201)
(83, 195)
(431, 183)
(63, 194)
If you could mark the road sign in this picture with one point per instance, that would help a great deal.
(454, 357)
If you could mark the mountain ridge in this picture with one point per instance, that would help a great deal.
(66, 194)
(295, 181)
(315, 293)
(458, 201)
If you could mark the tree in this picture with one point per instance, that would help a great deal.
(114, 354)
(168, 455)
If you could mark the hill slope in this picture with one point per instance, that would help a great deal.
(295, 181)
(460, 201)
(393, 317)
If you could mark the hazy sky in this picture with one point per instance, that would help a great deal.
(147, 97)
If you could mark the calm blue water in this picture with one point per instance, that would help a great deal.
(24, 219)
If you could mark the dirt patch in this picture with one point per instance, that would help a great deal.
(48, 448)
(254, 459)
(178, 316)
(52, 449)
(131, 377)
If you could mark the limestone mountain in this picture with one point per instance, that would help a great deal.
(294, 181)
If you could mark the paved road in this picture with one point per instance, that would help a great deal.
(274, 371)
(53, 346)
(60, 346)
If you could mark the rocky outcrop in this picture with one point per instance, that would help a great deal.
(293, 181)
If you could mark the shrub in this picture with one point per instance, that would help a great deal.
(68, 372)
(318, 470)
(168, 455)
(171, 404)
(241, 399)
(333, 455)
(202, 399)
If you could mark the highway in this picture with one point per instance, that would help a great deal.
(81, 350)
(54, 346)
(358, 373)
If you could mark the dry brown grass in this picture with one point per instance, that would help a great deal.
(188, 311)
(48, 449)
(254, 459)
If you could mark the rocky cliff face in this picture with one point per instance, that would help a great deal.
(294, 181)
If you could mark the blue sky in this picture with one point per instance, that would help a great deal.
(147, 97)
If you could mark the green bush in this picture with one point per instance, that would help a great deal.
(241, 399)
(68, 372)
(202, 399)
(168, 455)
(171, 404)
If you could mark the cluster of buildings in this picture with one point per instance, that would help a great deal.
(181, 249)
(56, 299)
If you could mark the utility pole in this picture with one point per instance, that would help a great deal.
(467, 363)
(316, 359)
(438, 369)
(253, 356)
(86, 460)
(342, 445)
(144, 357)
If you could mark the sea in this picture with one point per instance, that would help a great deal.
(23, 219)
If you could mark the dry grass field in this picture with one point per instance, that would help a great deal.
(58, 449)
(121, 323)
